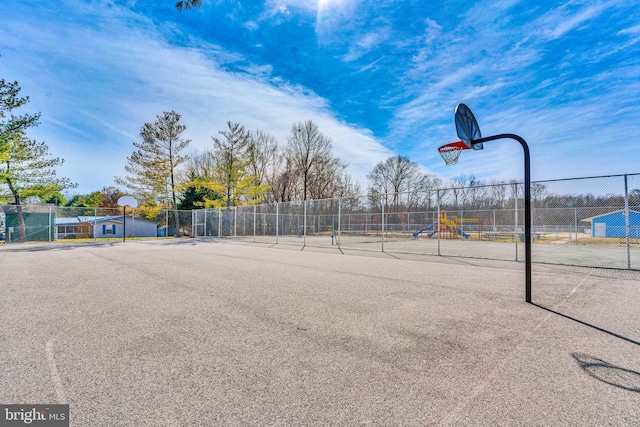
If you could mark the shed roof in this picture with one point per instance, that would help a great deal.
(67, 220)
(590, 219)
(92, 219)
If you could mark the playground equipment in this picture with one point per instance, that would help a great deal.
(449, 226)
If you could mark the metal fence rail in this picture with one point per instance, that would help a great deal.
(585, 221)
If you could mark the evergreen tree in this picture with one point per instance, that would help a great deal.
(195, 197)
(232, 177)
(152, 167)
(187, 4)
(26, 168)
(28, 171)
(57, 199)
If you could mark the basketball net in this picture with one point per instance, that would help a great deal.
(451, 152)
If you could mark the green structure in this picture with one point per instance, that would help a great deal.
(39, 226)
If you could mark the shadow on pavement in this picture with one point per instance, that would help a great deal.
(616, 376)
(597, 328)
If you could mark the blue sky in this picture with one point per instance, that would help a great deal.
(379, 77)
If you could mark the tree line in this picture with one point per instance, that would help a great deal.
(240, 167)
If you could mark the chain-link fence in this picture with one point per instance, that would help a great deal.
(585, 221)
(27, 223)
(46, 223)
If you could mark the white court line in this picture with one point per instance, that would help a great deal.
(53, 370)
(511, 355)
(577, 286)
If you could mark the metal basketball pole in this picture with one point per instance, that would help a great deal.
(527, 203)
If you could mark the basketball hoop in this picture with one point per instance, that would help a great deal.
(451, 152)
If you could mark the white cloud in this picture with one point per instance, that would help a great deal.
(499, 68)
(114, 78)
(560, 21)
(364, 44)
(631, 30)
(99, 71)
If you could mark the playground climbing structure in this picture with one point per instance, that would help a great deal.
(449, 227)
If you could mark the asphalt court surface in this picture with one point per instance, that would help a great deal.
(567, 253)
(196, 332)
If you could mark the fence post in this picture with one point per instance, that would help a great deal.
(50, 230)
(384, 201)
(494, 229)
(95, 221)
(304, 224)
(438, 219)
(254, 223)
(515, 231)
(277, 221)
(244, 222)
(339, 216)
(626, 220)
(408, 217)
(575, 222)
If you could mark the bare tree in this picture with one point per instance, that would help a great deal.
(326, 179)
(108, 199)
(282, 186)
(347, 187)
(308, 153)
(262, 150)
(538, 193)
(426, 191)
(467, 192)
(201, 165)
(497, 194)
(392, 177)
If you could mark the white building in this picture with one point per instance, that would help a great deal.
(104, 227)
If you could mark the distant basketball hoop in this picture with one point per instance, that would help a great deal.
(125, 202)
